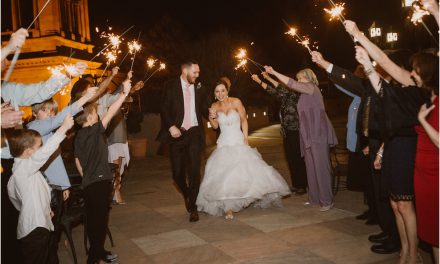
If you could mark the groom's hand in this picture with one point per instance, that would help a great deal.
(175, 132)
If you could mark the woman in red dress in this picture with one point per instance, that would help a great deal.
(426, 176)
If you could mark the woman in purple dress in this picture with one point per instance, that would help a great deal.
(316, 136)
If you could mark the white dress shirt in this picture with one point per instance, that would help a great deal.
(194, 121)
(29, 191)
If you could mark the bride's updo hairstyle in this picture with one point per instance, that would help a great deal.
(225, 81)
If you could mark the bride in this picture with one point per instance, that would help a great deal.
(235, 174)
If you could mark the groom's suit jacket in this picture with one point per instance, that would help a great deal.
(173, 109)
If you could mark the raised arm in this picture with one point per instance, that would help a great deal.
(28, 94)
(276, 91)
(363, 58)
(117, 104)
(46, 126)
(399, 74)
(432, 7)
(339, 76)
(243, 119)
(39, 158)
(17, 40)
(104, 84)
(306, 88)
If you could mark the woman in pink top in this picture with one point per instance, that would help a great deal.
(316, 136)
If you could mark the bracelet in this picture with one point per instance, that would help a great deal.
(369, 71)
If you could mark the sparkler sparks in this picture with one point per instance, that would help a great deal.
(134, 47)
(162, 66)
(336, 11)
(151, 62)
(418, 14)
(305, 41)
(241, 64)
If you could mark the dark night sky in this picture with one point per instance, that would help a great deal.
(261, 20)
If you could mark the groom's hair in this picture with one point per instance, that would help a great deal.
(188, 63)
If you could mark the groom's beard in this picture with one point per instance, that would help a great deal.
(190, 80)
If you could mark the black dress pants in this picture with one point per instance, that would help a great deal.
(97, 203)
(35, 246)
(387, 221)
(185, 162)
(297, 167)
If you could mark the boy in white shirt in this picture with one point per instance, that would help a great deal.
(29, 191)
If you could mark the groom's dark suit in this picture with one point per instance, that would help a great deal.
(185, 151)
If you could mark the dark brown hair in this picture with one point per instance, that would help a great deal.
(225, 81)
(22, 139)
(78, 88)
(88, 109)
(426, 66)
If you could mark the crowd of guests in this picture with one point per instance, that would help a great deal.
(392, 140)
(35, 182)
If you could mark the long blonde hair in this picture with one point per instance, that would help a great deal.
(309, 75)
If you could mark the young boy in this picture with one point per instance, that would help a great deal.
(91, 158)
(29, 191)
(45, 122)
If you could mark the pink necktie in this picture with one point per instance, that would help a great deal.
(187, 117)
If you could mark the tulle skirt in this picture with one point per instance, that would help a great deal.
(237, 177)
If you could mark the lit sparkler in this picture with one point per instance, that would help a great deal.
(242, 57)
(151, 62)
(417, 17)
(161, 67)
(336, 11)
(305, 41)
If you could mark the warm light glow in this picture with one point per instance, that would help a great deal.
(241, 54)
(336, 11)
(241, 64)
(375, 32)
(162, 66)
(151, 62)
(407, 3)
(292, 32)
(418, 14)
(391, 37)
(134, 47)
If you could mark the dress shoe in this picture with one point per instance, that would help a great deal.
(326, 207)
(385, 248)
(300, 192)
(378, 238)
(372, 221)
(364, 216)
(194, 216)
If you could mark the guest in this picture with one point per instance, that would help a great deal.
(91, 158)
(316, 135)
(401, 108)
(289, 130)
(370, 125)
(29, 191)
(45, 122)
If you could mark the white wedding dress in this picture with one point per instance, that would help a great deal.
(236, 175)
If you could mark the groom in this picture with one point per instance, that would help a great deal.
(182, 128)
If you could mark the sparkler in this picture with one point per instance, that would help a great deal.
(18, 50)
(161, 67)
(417, 17)
(337, 12)
(301, 40)
(242, 56)
(133, 48)
(114, 40)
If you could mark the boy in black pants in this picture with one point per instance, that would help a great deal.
(91, 158)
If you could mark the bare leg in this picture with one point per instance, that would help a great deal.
(406, 209)
(435, 251)
(117, 182)
(402, 233)
(229, 215)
